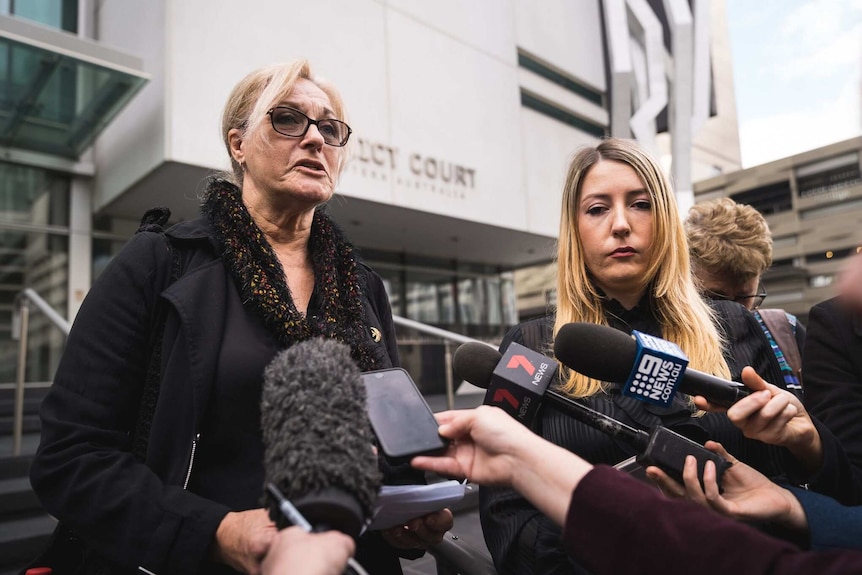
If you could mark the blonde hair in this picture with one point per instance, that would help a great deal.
(684, 317)
(250, 100)
(729, 239)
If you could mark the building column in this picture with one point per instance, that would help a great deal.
(80, 243)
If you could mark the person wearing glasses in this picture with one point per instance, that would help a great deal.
(731, 248)
(263, 269)
(623, 262)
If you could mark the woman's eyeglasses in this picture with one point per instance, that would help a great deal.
(294, 124)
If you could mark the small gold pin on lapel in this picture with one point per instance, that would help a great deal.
(376, 335)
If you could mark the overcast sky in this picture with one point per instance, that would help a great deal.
(796, 66)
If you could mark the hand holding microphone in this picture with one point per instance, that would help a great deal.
(490, 449)
(321, 473)
(777, 417)
(745, 495)
(518, 382)
(761, 410)
(318, 445)
(608, 354)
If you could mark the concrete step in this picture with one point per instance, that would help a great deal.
(30, 423)
(11, 467)
(29, 444)
(17, 498)
(23, 539)
(32, 399)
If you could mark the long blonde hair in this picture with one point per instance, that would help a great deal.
(684, 317)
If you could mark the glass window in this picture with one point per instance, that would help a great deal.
(39, 261)
(829, 180)
(56, 102)
(62, 14)
(769, 199)
(33, 196)
(430, 297)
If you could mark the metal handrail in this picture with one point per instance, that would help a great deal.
(20, 327)
(448, 337)
(21, 320)
(453, 555)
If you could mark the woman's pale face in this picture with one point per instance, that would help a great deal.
(615, 223)
(302, 169)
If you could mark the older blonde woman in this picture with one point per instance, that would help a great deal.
(263, 269)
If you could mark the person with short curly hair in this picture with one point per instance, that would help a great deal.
(731, 248)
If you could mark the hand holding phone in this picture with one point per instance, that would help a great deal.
(401, 419)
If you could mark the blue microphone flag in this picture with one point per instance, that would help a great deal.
(658, 369)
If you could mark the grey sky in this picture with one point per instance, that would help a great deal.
(797, 74)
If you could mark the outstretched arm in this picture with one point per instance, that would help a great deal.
(490, 448)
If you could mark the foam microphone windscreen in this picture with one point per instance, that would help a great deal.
(317, 437)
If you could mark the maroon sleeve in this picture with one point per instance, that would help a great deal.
(617, 524)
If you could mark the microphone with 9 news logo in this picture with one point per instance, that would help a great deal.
(649, 368)
(518, 381)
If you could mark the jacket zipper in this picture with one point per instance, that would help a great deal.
(185, 486)
(191, 460)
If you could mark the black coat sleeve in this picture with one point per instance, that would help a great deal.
(637, 530)
(832, 379)
(84, 472)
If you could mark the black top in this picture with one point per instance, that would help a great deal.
(520, 538)
(832, 379)
(141, 514)
(229, 458)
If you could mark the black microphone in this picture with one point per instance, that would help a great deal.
(485, 367)
(608, 354)
(516, 380)
(317, 438)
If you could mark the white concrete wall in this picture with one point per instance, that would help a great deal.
(566, 34)
(431, 88)
(134, 143)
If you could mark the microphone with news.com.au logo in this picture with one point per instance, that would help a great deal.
(658, 370)
(519, 381)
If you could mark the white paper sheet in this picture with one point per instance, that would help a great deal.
(398, 504)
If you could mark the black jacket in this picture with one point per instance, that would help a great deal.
(138, 514)
(832, 371)
(522, 541)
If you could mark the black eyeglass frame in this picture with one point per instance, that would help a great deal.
(309, 122)
(740, 299)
